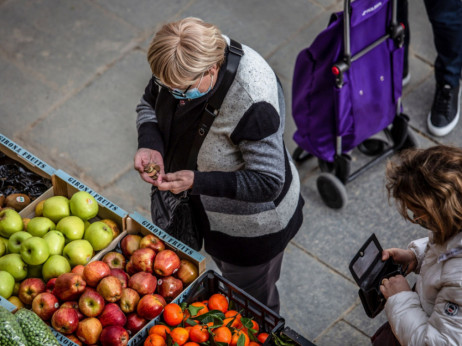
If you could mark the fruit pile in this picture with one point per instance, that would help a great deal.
(109, 300)
(210, 321)
(18, 185)
(61, 235)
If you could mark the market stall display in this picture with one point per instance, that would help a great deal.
(80, 270)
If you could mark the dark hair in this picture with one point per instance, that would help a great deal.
(429, 181)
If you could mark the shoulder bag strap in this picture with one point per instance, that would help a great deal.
(212, 107)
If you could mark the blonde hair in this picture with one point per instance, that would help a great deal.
(430, 181)
(181, 51)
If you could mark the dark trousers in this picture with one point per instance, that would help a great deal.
(259, 281)
(446, 19)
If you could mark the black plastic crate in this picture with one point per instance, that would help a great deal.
(211, 282)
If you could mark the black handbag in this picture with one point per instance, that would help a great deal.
(368, 270)
(173, 212)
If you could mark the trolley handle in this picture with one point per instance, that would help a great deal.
(343, 65)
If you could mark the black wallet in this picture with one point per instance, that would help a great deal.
(369, 270)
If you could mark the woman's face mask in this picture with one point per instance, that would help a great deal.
(194, 93)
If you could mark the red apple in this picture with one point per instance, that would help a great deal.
(135, 323)
(153, 242)
(65, 320)
(114, 336)
(121, 275)
(91, 303)
(110, 288)
(129, 244)
(114, 260)
(143, 283)
(169, 287)
(95, 271)
(188, 272)
(50, 285)
(78, 269)
(72, 304)
(44, 305)
(150, 306)
(89, 330)
(130, 268)
(74, 339)
(112, 315)
(69, 286)
(143, 260)
(166, 263)
(29, 289)
(129, 300)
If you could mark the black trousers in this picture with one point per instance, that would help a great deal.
(259, 281)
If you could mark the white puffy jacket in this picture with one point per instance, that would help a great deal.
(432, 315)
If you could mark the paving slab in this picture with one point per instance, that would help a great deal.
(65, 42)
(23, 98)
(310, 293)
(342, 334)
(95, 131)
(146, 15)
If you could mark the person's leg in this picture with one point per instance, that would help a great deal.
(259, 281)
(446, 19)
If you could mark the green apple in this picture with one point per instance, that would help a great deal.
(14, 264)
(34, 271)
(5, 242)
(15, 241)
(54, 266)
(39, 226)
(56, 207)
(34, 251)
(55, 240)
(78, 252)
(83, 205)
(10, 222)
(99, 235)
(3, 248)
(6, 284)
(72, 227)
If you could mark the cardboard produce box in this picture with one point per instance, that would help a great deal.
(137, 224)
(35, 172)
(65, 185)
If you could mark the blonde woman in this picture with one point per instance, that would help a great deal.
(245, 189)
(427, 186)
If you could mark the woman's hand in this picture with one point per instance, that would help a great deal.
(394, 285)
(145, 156)
(401, 256)
(177, 182)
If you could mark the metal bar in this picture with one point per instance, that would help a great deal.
(370, 47)
(346, 32)
(371, 163)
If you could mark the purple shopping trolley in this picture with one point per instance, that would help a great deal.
(346, 88)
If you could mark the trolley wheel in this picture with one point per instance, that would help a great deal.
(332, 190)
(410, 142)
(326, 166)
(372, 147)
(300, 155)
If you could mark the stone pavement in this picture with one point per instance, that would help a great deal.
(72, 73)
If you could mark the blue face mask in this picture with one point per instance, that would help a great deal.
(193, 93)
